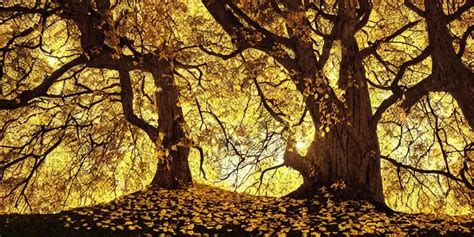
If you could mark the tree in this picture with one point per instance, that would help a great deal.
(345, 147)
(97, 37)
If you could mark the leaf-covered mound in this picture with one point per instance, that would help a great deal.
(203, 209)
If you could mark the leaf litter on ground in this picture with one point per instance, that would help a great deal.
(205, 210)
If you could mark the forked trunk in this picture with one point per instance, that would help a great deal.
(349, 150)
(172, 168)
(346, 148)
(449, 73)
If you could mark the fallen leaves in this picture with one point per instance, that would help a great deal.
(202, 209)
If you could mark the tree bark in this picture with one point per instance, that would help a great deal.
(341, 155)
(349, 151)
(173, 168)
(449, 74)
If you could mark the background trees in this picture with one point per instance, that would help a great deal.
(100, 88)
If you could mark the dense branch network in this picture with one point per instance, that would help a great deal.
(333, 57)
(309, 41)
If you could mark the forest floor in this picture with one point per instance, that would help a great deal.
(207, 211)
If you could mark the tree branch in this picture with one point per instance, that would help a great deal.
(423, 171)
(126, 94)
(414, 8)
(23, 99)
(461, 10)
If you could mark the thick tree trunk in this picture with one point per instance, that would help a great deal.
(173, 168)
(449, 72)
(349, 151)
(463, 95)
(341, 155)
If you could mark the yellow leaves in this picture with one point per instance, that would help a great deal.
(174, 147)
(163, 153)
(398, 113)
(197, 219)
(326, 216)
(106, 221)
(168, 53)
(323, 229)
(149, 224)
(339, 185)
(182, 211)
(249, 228)
(111, 39)
(158, 89)
(295, 18)
(84, 212)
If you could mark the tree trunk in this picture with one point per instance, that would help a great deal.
(346, 150)
(349, 150)
(450, 74)
(173, 168)
(341, 155)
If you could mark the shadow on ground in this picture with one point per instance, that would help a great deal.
(203, 210)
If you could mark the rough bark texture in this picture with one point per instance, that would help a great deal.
(349, 151)
(173, 169)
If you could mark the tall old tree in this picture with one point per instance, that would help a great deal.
(96, 27)
(96, 35)
(301, 37)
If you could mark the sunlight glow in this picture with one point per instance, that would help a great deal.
(300, 146)
(52, 61)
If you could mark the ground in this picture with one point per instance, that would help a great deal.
(204, 210)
